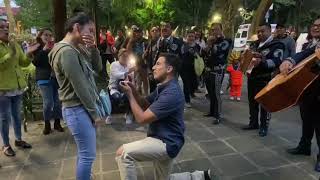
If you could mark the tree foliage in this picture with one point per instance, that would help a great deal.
(118, 13)
(35, 13)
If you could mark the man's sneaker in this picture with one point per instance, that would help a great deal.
(108, 120)
(188, 105)
(8, 151)
(129, 118)
(22, 144)
(238, 99)
(231, 98)
(207, 174)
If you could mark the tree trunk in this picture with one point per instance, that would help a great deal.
(228, 17)
(95, 18)
(12, 23)
(59, 18)
(260, 13)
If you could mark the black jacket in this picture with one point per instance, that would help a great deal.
(188, 54)
(218, 53)
(272, 53)
(173, 45)
(41, 62)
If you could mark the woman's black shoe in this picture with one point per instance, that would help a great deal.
(47, 128)
(57, 126)
(22, 144)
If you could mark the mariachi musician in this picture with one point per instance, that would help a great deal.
(267, 57)
(310, 100)
(167, 43)
(215, 57)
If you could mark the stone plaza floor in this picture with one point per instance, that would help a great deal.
(232, 154)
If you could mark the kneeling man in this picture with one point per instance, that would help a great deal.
(163, 111)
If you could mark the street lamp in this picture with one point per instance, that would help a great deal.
(217, 18)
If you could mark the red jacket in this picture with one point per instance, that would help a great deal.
(236, 75)
(110, 39)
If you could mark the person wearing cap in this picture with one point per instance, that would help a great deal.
(137, 45)
(150, 54)
(12, 87)
(119, 71)
(288, 41)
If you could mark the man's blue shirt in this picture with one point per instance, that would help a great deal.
(167, 103)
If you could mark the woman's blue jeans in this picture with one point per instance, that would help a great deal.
(10, 108)
(84, 133)
(51, 103)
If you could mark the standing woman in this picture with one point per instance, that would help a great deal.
(12, 86)
(47, 82)
(73, 60)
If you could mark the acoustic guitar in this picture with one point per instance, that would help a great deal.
(284, 91)
(245, 61)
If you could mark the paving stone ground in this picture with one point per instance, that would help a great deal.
(231, 153)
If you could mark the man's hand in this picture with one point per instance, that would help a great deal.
(94, 121)
(132, 69)
(211, 40)
(126, 87)
(255, 61)
(285, 67)
(32, 48)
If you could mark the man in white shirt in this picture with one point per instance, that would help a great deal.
(119, 71)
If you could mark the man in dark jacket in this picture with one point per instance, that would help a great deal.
(288, 41)
(268, 55)
(310, 100)
(167, 43)
(216, 55)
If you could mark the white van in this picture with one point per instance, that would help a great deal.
(241, 37)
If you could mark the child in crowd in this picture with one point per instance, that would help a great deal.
(235, 76)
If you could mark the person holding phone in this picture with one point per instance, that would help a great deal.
(75, 60)
(119, 72)
(47, 82)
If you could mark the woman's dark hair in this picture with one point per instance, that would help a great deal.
(80, 18)
(172, 60)
(190, 32)
(217, 24)
(38, 38)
